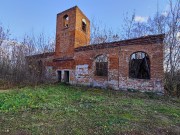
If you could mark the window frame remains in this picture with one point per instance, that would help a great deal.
(139, 66)
(101, 65)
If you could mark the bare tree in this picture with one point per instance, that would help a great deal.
(13, 61)
(167, 22)
(101, 34)
(4, 34)
(127, 27)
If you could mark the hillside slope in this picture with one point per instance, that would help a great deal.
(61, 109)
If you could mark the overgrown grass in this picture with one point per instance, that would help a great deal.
(60, 109)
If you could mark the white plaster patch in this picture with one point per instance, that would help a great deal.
(49, 68)
(144, 84)
(113, 82)
(49, 71)
(102, 84)
(81, 70)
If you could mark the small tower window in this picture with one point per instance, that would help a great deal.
(66, 21)
(84, 25)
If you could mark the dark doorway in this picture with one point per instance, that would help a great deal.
(66, 76)
(59, 76)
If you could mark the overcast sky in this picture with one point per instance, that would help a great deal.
(25, 16)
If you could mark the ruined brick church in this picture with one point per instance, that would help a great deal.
(121, 65)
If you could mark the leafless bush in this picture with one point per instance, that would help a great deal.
(101, 34)
(13, 61)
(167, 22)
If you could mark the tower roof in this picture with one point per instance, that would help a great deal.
(73, 8)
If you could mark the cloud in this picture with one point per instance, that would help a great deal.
(141, 19)
(165, 13)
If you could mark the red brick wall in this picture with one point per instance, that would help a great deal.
(72, 43)
(118, 67)
(68, 38)
(81, 38)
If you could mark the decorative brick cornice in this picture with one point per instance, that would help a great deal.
(145, 40)
(42, 55)
(63, 59)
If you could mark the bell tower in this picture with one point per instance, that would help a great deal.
(72, 31)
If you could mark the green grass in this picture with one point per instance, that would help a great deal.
(60, 109)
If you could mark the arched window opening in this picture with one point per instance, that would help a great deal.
(101, 65)
(66, 21)
(139, 66)
(84, 25)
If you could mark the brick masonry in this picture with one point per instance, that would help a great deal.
(118, 66)
(74, 54)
